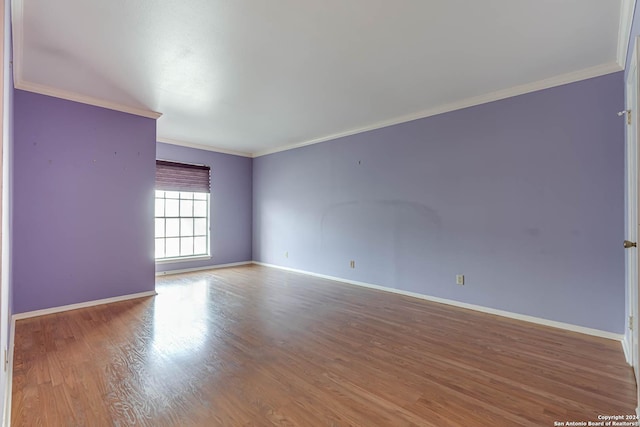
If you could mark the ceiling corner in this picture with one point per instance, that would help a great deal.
(17, 24)
(203, 147)
(17, 38)
(627, 8)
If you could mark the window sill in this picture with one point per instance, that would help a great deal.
(183, 259)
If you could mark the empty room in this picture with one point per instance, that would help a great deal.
(361, 213)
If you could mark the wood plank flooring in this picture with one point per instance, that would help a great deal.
(254, 346)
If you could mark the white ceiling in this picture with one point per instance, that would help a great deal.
(253, 76)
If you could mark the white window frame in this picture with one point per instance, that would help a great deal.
(179, 217)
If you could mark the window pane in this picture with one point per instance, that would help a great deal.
(159, 207)
(172, 207)
(159, 248)
(173, 227)
(176, 227)
(186, 246)
(173, 247)
(200, 208)
(159, 227)
(186, 226)
(200, 226)
(186, 208)
(200, 245)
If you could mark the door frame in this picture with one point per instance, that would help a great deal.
(632, 207)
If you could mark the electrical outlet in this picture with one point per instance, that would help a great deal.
(352, 264)
(459, 279)
(286, 254)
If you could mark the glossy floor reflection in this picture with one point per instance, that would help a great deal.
(259, 346)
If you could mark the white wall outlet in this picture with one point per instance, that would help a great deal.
(352, 264)
(459, 279)
(286, 254)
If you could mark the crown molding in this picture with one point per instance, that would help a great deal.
(17, 37)
(627, 9)
(84, 99)
(203, 147)
(560, 80)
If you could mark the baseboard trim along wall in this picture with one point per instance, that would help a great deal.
(62, 308)
(517, 316)
(627, 350)
(206, 267)
(9, 384)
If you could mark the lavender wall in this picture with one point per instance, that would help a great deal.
(230, 217)
(524, 196)
(83, 182)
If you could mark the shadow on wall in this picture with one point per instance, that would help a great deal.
(393, 233)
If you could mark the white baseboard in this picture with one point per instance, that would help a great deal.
(206, 267)
(517, 316)
(6, 422)
(62, 308)
(627, 350)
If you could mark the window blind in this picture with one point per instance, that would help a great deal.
(174, 176)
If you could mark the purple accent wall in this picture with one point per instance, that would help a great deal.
(83, 182)
(231, 199)
(524, 196)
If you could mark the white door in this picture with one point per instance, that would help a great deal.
(631, 210)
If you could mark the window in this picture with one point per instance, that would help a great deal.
(181, 210)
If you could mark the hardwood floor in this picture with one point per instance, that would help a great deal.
(253, 346)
